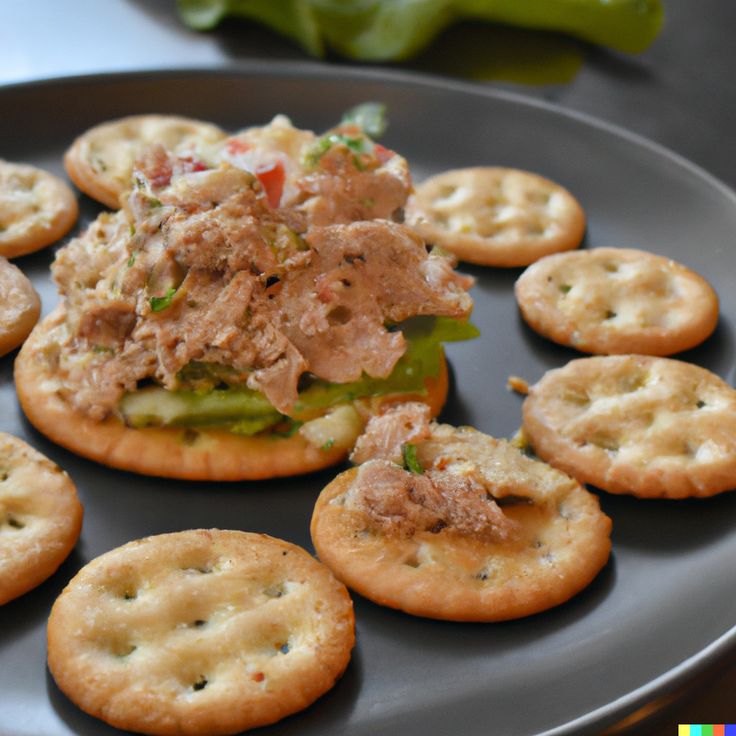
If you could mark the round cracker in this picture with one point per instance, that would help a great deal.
(560, 542)
(200, 632)
(40, 517)
(188, 454)
(617, 300)
(651, 427)
(36, 209)
(100, 161)
(19, 306)
(496, 216)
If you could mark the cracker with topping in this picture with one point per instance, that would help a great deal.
(496, 216)
(36, 209)
(200, 632)
(19, 306)
(648, 426)
(466, 528)
(40, 517)
(100, 161)
(617, 300)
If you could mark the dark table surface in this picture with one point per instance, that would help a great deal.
(679, 93)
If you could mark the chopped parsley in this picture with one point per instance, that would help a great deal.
(357, 144)
(159, 303)
(370, 116)
(328, 445)
(409, 455)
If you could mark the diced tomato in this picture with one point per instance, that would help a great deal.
(236, 146)
(272, 178)
(383, 154)
(189, 164)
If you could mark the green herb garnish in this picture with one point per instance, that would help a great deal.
(131, 260)
(357, 144)
(159, 303)
(327, 445)
(370, 116)
(409, 455)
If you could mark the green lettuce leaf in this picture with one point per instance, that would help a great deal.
(390, 30)
(245, 411)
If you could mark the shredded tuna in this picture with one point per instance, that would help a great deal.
(360, 277)
(338, 192)
(386, 433)
(401, 503)
(107, 325)
(198, 268)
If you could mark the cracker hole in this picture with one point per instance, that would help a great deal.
(275, 591)
(129, 594)
(573, 396)
(201, 569)
(339, 316)
(123, 649)
(189, 437)
(610, 314)
(282, 647)
(412, 561)
(447, 190)
(539, 196)
(199, 623)
(437, 527)
(14, 522)
(565, 511)
(610, 267)
(700, 404)
(201, 683)
(511, 500)
(605, 442)
(4, 475)
(482, 575)
(629, 384)
(689, 449)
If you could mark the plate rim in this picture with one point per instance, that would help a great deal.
(717, 650)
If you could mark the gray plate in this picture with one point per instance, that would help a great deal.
(656, 615)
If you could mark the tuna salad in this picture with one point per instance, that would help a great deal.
(254, 288)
